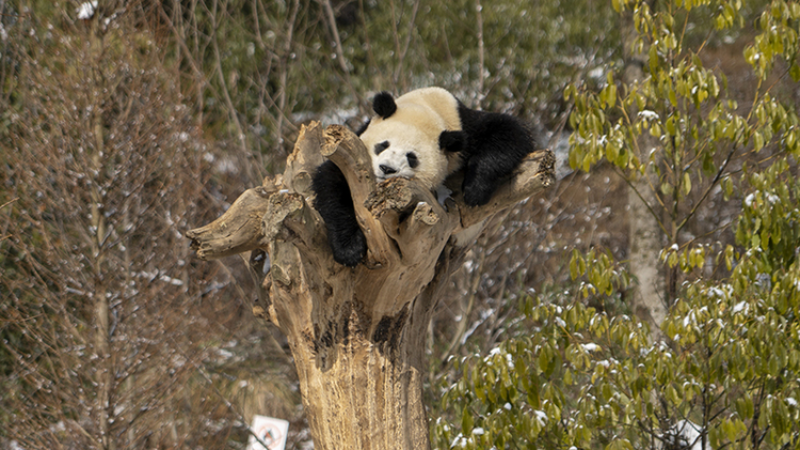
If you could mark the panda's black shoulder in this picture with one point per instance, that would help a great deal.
(484, 127)
(470, 118)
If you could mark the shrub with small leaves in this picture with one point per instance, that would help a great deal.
(725, 373)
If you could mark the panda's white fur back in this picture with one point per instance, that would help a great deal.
(415, 127)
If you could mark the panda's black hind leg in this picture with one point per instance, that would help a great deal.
(335, 204)
(497, 145)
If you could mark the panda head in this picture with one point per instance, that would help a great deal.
(409, 138)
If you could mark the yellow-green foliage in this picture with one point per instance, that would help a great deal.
(728, 358)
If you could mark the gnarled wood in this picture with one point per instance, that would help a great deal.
(236, 231)
(357, 335)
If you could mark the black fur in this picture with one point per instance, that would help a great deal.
(363, 128)
(380, 147)
(384, 104)
(496, 144)
(413, 161)
(335, 205)
(492, 145)
(452, 141)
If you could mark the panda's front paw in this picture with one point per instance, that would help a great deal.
(349, 250)
(476, 194)
(476, 199)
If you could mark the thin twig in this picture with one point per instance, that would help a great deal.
(481, 61)
(462, 325)
(708, 189)
(218, 63)
(201, 79)
(370, 55)
(331, 19)
(399, 69)
(284, 68)
(646, 204)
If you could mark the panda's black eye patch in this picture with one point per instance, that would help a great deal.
(379, 148)
(413, 162)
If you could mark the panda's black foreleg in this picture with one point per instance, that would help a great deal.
(498, 144)
(479, 183)
(335, 204)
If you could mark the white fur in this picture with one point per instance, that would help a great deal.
(415, 127)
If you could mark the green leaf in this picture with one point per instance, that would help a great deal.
(727, 186)
(533, 395)
(713, 86)
(758, 141)
(544, 360)
(673, 99)
(745, 407)
(466, 421)
(670, 125)
(773, 365)
(709, 168)
(713, 437)
(666, 188)
(612, 151)
(573, 264)
(729, 428)
(587, 164)
(655, 129)
(612, 95)
(653, 59)
(687, 184)
(672, 259)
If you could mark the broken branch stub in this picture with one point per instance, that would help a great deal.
(356, 334)
(238, 230)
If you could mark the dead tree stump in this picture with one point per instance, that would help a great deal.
(357, 335)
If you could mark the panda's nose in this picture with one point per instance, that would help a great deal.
(387, 170)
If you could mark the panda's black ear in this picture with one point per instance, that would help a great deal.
(384, 104)
(452, 141)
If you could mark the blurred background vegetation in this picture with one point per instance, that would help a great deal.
(124, 124)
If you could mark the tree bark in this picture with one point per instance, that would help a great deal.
(357, 335)
(644, 235)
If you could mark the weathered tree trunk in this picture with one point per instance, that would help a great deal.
(357, 335)
(644, 233)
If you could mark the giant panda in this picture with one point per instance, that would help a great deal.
(427, 134)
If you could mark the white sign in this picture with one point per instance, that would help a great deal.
(271, 431)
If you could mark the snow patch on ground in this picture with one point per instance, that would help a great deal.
(86, 10)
